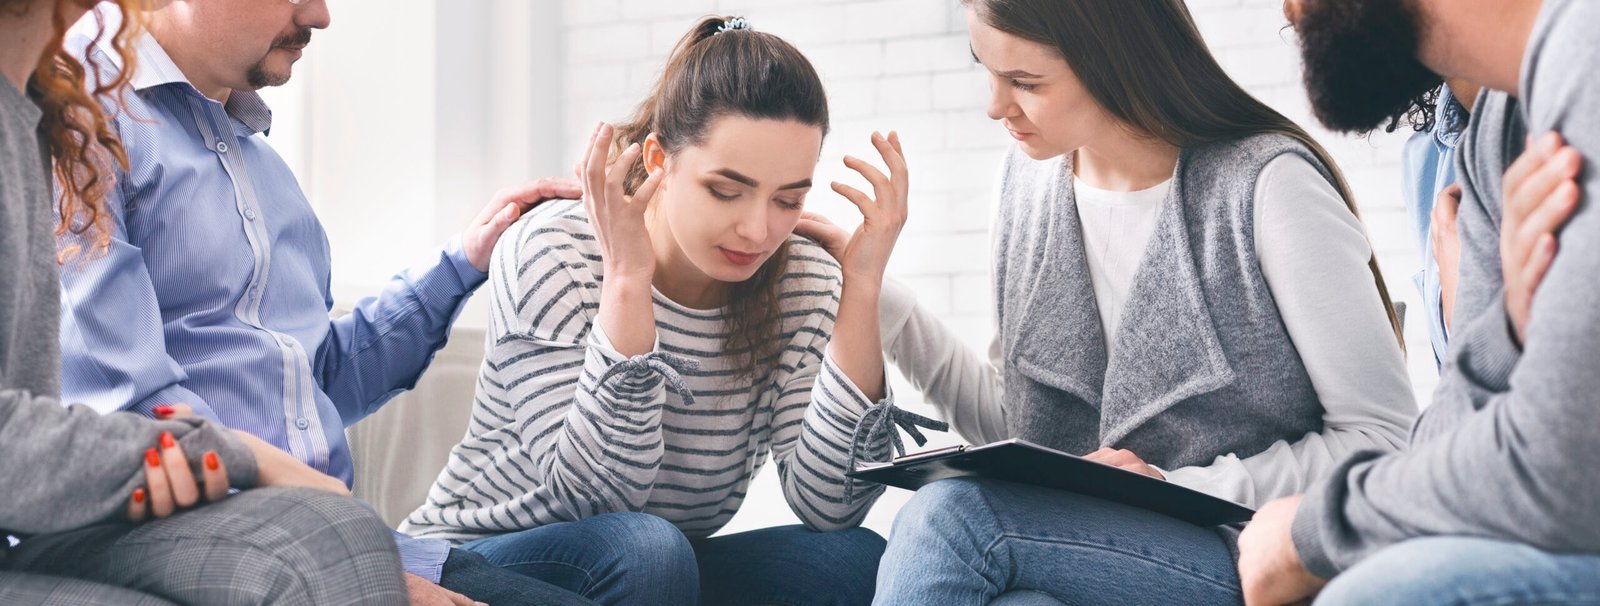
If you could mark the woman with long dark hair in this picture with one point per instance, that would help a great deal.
(650, 349)
(74, 479)
(1184, 290)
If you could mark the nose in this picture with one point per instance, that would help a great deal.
(314, 15)
(1001, 105)
(752, 226)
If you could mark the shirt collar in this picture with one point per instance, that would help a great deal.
(155, 68)
(1449, 117)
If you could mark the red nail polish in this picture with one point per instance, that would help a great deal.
(167, 441)
(152, 458)
(138, 496)
(212, 462)
(162, 411)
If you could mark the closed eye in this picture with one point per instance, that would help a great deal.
(721, 195)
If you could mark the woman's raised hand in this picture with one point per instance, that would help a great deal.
(866, 253)
(618, 219)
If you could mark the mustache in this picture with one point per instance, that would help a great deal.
(295, 40)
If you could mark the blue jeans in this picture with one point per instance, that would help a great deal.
(636, 558)
(789, 565)
(616, 558)
(973, 541)
(1459, 570)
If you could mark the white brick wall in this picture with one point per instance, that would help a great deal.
(905, 64)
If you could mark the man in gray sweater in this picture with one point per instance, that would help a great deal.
(1497, 499)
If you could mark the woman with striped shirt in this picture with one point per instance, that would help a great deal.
(651, 348)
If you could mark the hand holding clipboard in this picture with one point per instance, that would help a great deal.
(1021, 461)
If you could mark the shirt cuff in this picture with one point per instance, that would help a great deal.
(422, 557)
(1487, 352)
(599, 340)
(1305, 532)
(469, 276)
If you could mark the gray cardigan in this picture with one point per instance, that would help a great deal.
(1510, 448)
(63, 467)
(1204, 365)
(974, 392)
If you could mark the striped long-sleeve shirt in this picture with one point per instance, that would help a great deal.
(563, 427)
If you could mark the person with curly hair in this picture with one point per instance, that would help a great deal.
(76, 479)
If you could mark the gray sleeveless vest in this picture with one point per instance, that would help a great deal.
(1203, 364)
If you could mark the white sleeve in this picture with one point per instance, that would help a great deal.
(1313, 253)
(965, 387)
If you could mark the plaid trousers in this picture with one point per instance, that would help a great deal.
(263, 546)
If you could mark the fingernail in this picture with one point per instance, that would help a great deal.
(151, 458)
(605, 129)
(138, 496)
(167, 441)
(162, 411)
(212, 462)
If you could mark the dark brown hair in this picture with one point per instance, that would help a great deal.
(84, 150)
(723, 68)
(1145, 63)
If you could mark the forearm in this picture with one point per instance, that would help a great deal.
(73, 467)
(856, 346)
(601, 453)
(627, 314)
(386, 342)
(1286, 468)
(957, 381)
(813, 458)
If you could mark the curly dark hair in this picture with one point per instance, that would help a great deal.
(1421, 115)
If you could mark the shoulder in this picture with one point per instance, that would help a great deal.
(559, 228)
(544, 272)
(1250, 153)
(810, 274)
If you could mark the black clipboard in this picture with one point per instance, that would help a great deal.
(1021, 461)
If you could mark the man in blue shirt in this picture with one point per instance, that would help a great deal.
(214, 291)
(1431, 196)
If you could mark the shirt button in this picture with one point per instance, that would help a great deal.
(222, 147)
(250, 214)
(302, 423)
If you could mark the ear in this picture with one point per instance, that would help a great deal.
(654, 155)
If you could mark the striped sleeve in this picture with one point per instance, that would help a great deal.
(814, 420)
(588, 435)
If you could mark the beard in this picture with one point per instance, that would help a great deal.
(259, 76)
(1361, 66)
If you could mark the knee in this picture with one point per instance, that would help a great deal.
(1411, 572)
(640, 542)
(940, 508)
(312, 545)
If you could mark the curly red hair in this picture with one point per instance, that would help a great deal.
(84, 149)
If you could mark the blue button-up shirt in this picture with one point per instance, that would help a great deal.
(215, 291)
(1429, 161)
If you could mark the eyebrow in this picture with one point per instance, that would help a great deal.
(741, 178)
(1016, 73)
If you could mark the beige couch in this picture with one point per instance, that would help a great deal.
(400, 450)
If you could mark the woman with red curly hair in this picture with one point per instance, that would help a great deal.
(74, 479)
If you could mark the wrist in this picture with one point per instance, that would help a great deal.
(625, 274)
(863, 280)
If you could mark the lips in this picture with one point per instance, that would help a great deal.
(740, 258)
(1018, 135)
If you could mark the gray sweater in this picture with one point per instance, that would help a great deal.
(1509, 448)
(63, 467)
